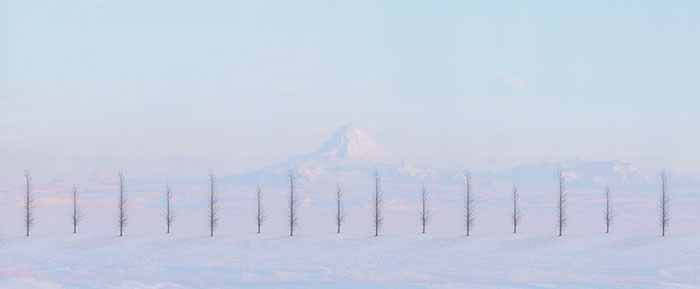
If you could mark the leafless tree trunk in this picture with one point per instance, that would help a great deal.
(339, 208)
(561, 204)
(424, 210)
(609, 212)
(75, 214)
(213, 219)
(664, 201)
(169, 213)
(468, 203)
(28, 202)
(293, 218)
(121, 214)
(260, 211)
(515, 213)
(377, 216)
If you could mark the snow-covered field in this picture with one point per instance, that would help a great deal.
(632, 256)
(341, 261)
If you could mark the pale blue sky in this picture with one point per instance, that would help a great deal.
(237, 85)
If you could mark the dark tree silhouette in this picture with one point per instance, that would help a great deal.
(169, 212)
(468, 202)
(260, 211)
(561, 204)
(28, 202)
(664, 201)
(515, 212)
(121, 206)
(213, 216)
(339, 208)
(424, 209)
(377, 204)
(609, 215)
(293, 204)
(75, 214)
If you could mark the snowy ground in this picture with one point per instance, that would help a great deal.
(346, 261)
(632, 256)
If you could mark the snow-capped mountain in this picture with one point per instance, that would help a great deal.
(350, 143)
(352, 154)
(350, 151)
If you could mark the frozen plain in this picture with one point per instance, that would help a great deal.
(343, 261)
(632, 256)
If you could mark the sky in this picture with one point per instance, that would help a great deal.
(178, 87)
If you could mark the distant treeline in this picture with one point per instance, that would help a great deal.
(339, 217)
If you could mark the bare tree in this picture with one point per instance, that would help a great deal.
(28, 202)
(468, 202)
(664, 201)
(339, 208)
(561, 204)
(213, 217)
(609, 216)
(377, 216)
(75, 214)
(121, 206)
(169, 213)
(293, 204)
(260, 211)
(515, 212)
(424, 210)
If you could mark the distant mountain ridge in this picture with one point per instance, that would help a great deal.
(352, 153)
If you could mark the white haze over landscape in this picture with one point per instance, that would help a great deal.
(513, 91)
(316, 257)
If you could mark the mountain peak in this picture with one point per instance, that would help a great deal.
(347, 152)
(352, 142)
